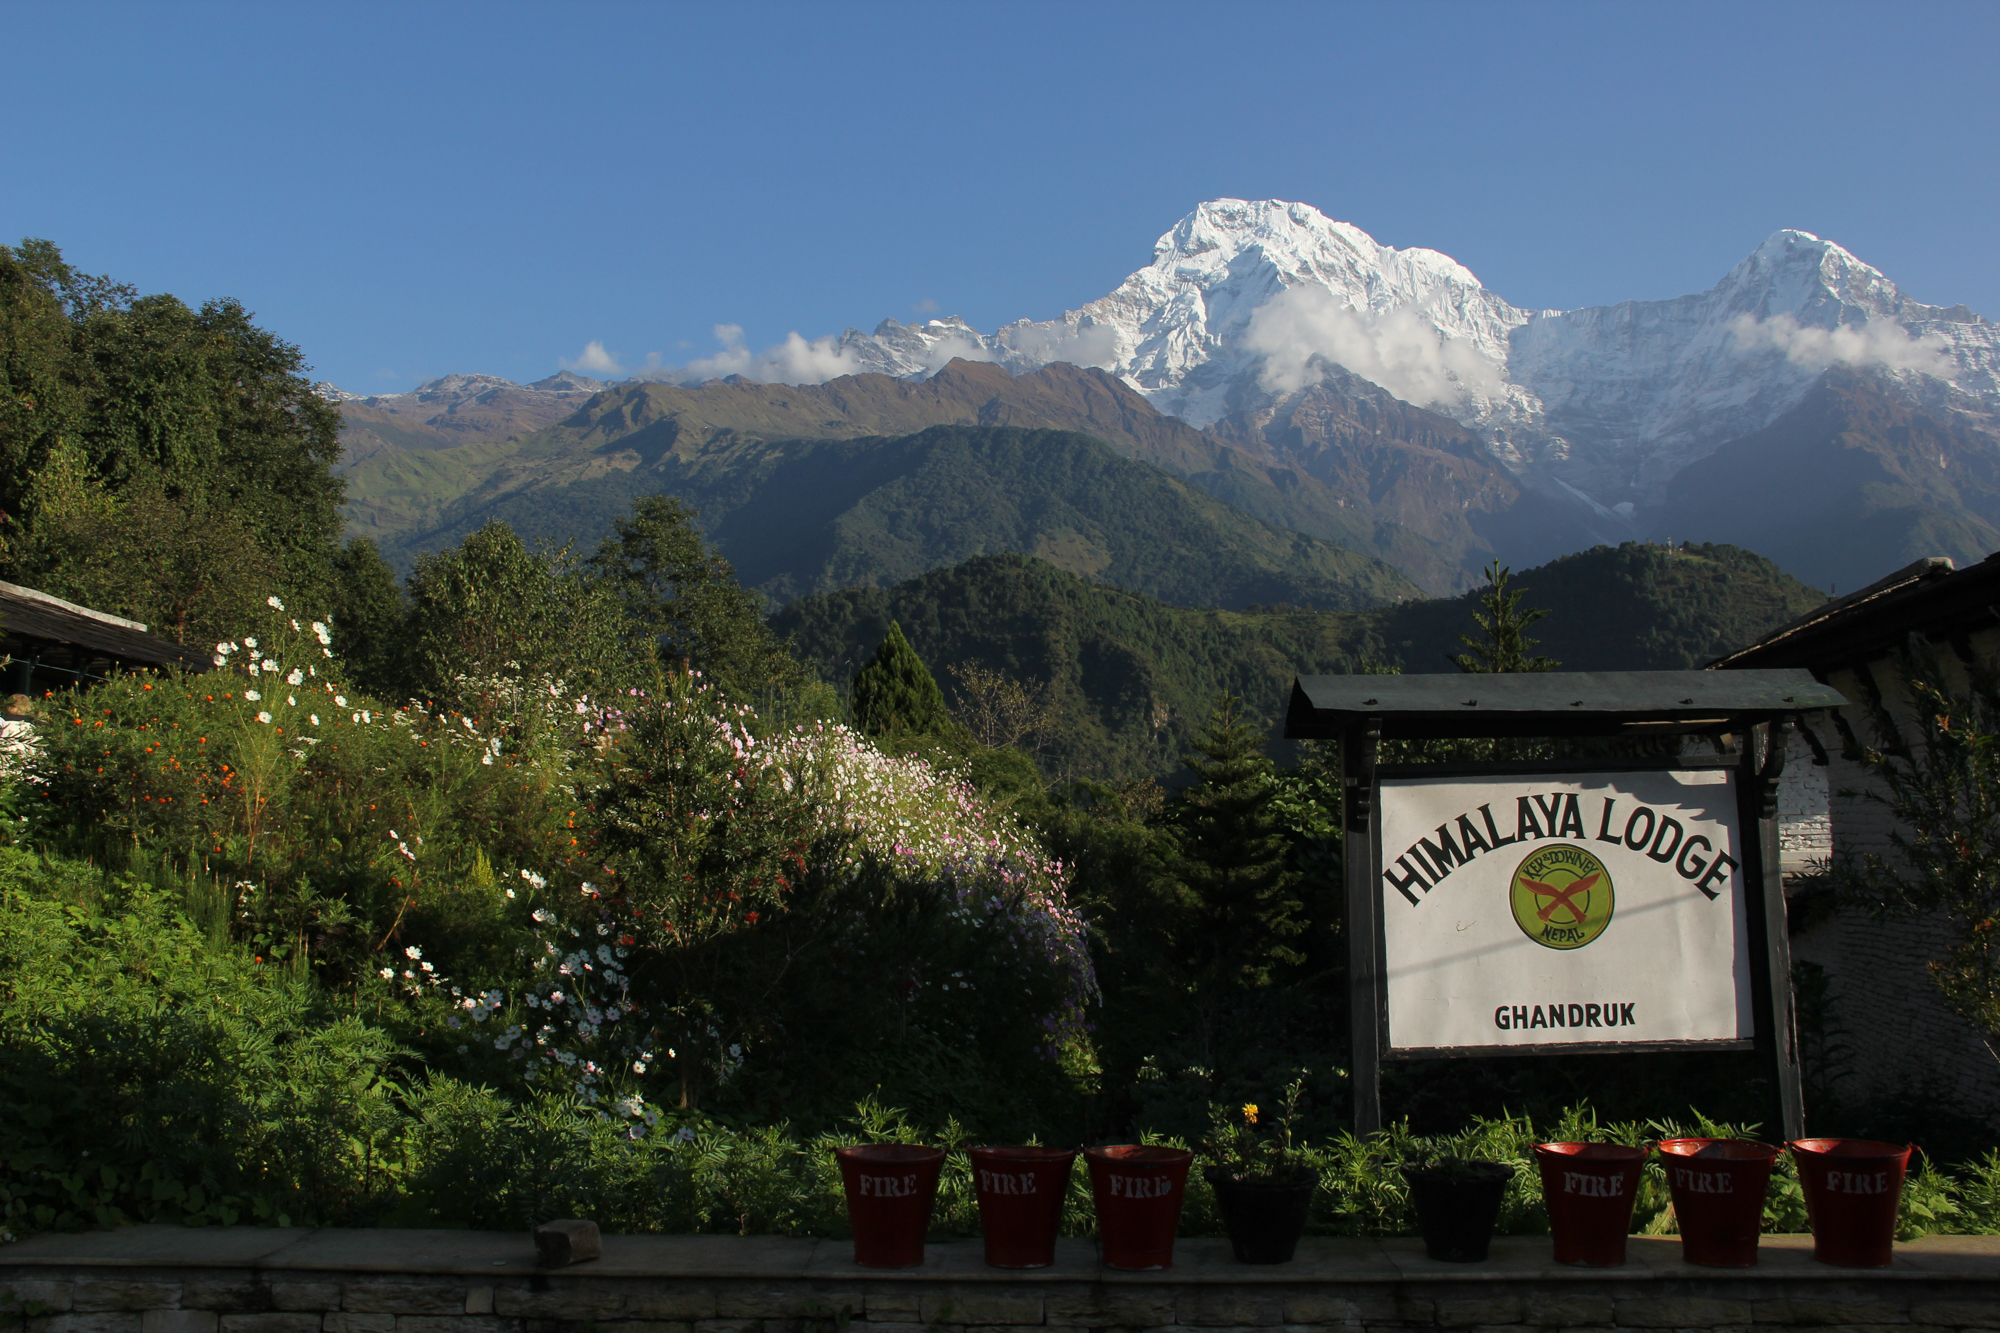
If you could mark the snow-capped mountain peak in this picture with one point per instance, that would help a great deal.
(1248, 301)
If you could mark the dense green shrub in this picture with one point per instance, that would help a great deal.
(341, 827)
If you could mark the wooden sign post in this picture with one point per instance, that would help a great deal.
(1572, 906)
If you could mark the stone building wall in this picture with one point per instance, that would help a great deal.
(1903, 1042)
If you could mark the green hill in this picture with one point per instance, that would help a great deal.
(1131, 678)
(804, 516)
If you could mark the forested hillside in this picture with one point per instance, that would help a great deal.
(1128, 678)
(804, 516)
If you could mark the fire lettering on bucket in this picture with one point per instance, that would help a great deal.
(1858, 1182)
(1596, 1187)
(889, 1187)
(1141, 1187)
(1006, 1182)
(1704, 1182)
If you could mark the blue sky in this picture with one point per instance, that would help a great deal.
(407, 190)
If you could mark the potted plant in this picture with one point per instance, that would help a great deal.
(1458, 1205)
(1263, 1185)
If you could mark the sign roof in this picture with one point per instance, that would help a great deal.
(1551, 703)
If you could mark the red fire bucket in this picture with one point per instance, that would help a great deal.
(1853, 1189)
(1139, 1192)
(1020, 1202)
(1718, 1189)
(1590, 1188)
(890, 1189)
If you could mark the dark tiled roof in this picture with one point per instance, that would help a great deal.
(28, 614)
(1929, 597)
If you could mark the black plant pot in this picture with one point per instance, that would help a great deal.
(1264, 1218)
(1458, 1206)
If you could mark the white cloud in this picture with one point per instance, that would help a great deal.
(1304, 330)
(793, 361)
(1087, 345)
(957, 347)
(594, 361)
(1884, 346)
(925, 306)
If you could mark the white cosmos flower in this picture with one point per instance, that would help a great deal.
(340, 700)
(272, 601)
(296, 678)
(314, 717)
(220, 660)
(249, 643)
(292, 700)
(252, 695)
(263, 717)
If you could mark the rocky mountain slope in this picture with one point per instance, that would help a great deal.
(1854, 481)
(409, 500)
(453, 410)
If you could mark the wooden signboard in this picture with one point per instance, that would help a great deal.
(1565, 906)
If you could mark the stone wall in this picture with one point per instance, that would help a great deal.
(1805, 819)
(1903, 1041)
(246, 1280)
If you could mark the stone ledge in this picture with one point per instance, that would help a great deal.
(174, 1280)
(398, 1272)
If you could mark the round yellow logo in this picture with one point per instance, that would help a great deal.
(1561, 896)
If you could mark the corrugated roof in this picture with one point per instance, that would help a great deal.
(32, 614)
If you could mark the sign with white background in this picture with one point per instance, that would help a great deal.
(1593, 909)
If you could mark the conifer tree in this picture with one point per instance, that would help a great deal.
(1246, 901)
(896, 692)
(1506, 645)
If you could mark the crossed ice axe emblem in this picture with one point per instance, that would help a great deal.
(1565, 897)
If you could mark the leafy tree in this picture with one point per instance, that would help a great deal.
(191, 568)
(191, 451)
(896, 693)
(1238, 859)
(1505, 625)
(491, 615)
(367, 618)
(680, 595)
(1000, 710)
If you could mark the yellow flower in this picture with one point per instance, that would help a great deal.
(1250, 1113)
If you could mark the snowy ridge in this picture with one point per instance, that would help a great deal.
(450, 390)
(1246, 302)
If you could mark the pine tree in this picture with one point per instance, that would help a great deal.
(1237, 865)
(1506, 645)
(896, 692)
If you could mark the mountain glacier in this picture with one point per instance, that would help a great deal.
(1246, 302)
